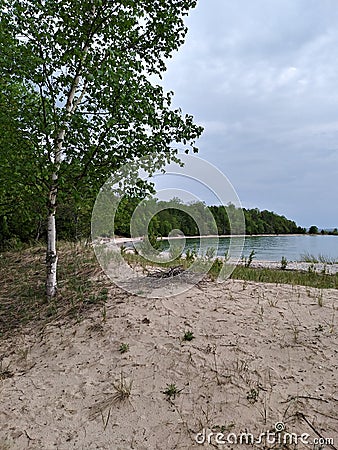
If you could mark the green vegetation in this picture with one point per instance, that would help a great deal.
(171, 391)
(311, 279)
(283, 263)
(122, 389)
(248, 261)
(176, 215)
(212, 220)
(313, 230)
(73, 223)
(23, 300)
(124, 348)
(267, 222)
(188, 336)
(77, 104)
(309, 258)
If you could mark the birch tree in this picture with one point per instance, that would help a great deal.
(89, 64)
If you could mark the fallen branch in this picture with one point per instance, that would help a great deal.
(302, 416)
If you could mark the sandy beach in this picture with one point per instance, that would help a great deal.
(262, 357)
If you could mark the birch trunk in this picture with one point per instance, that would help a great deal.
(51, 256)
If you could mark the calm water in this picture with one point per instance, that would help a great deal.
(272, 248)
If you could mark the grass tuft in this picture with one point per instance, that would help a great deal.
(122, 389)
(324, 259)
(124, 348)
(188, 336)
(171, 391)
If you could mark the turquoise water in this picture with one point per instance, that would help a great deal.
(271, 248)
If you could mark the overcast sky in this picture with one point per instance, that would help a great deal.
(262, 77)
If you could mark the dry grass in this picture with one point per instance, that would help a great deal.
(22, 286)
(122, 390)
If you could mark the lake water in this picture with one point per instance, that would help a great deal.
(272, 248)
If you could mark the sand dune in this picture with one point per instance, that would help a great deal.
(261, 354)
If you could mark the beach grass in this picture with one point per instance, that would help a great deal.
(293, 277)
(324, 259)
(83, 284)
(22, 286)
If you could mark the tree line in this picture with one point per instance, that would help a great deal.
(18, 227)
(195, 219)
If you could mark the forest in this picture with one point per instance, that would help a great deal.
(19, 227)
(194, 219)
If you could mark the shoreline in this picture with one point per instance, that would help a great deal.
(121, 239)
(303, 266)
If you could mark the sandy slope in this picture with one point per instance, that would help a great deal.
(262, 354)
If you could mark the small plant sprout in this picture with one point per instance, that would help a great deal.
(171, 391)
(296, 332)
(252, 395)
(124, 348)
(250, 258)
(188, 336)
(284, 263)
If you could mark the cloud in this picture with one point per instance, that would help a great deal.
(262, 77)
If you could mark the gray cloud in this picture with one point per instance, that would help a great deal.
(262, 77)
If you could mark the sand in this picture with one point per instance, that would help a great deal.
(262, 354)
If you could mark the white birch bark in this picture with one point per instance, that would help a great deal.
(51, 256)
(51, 283)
